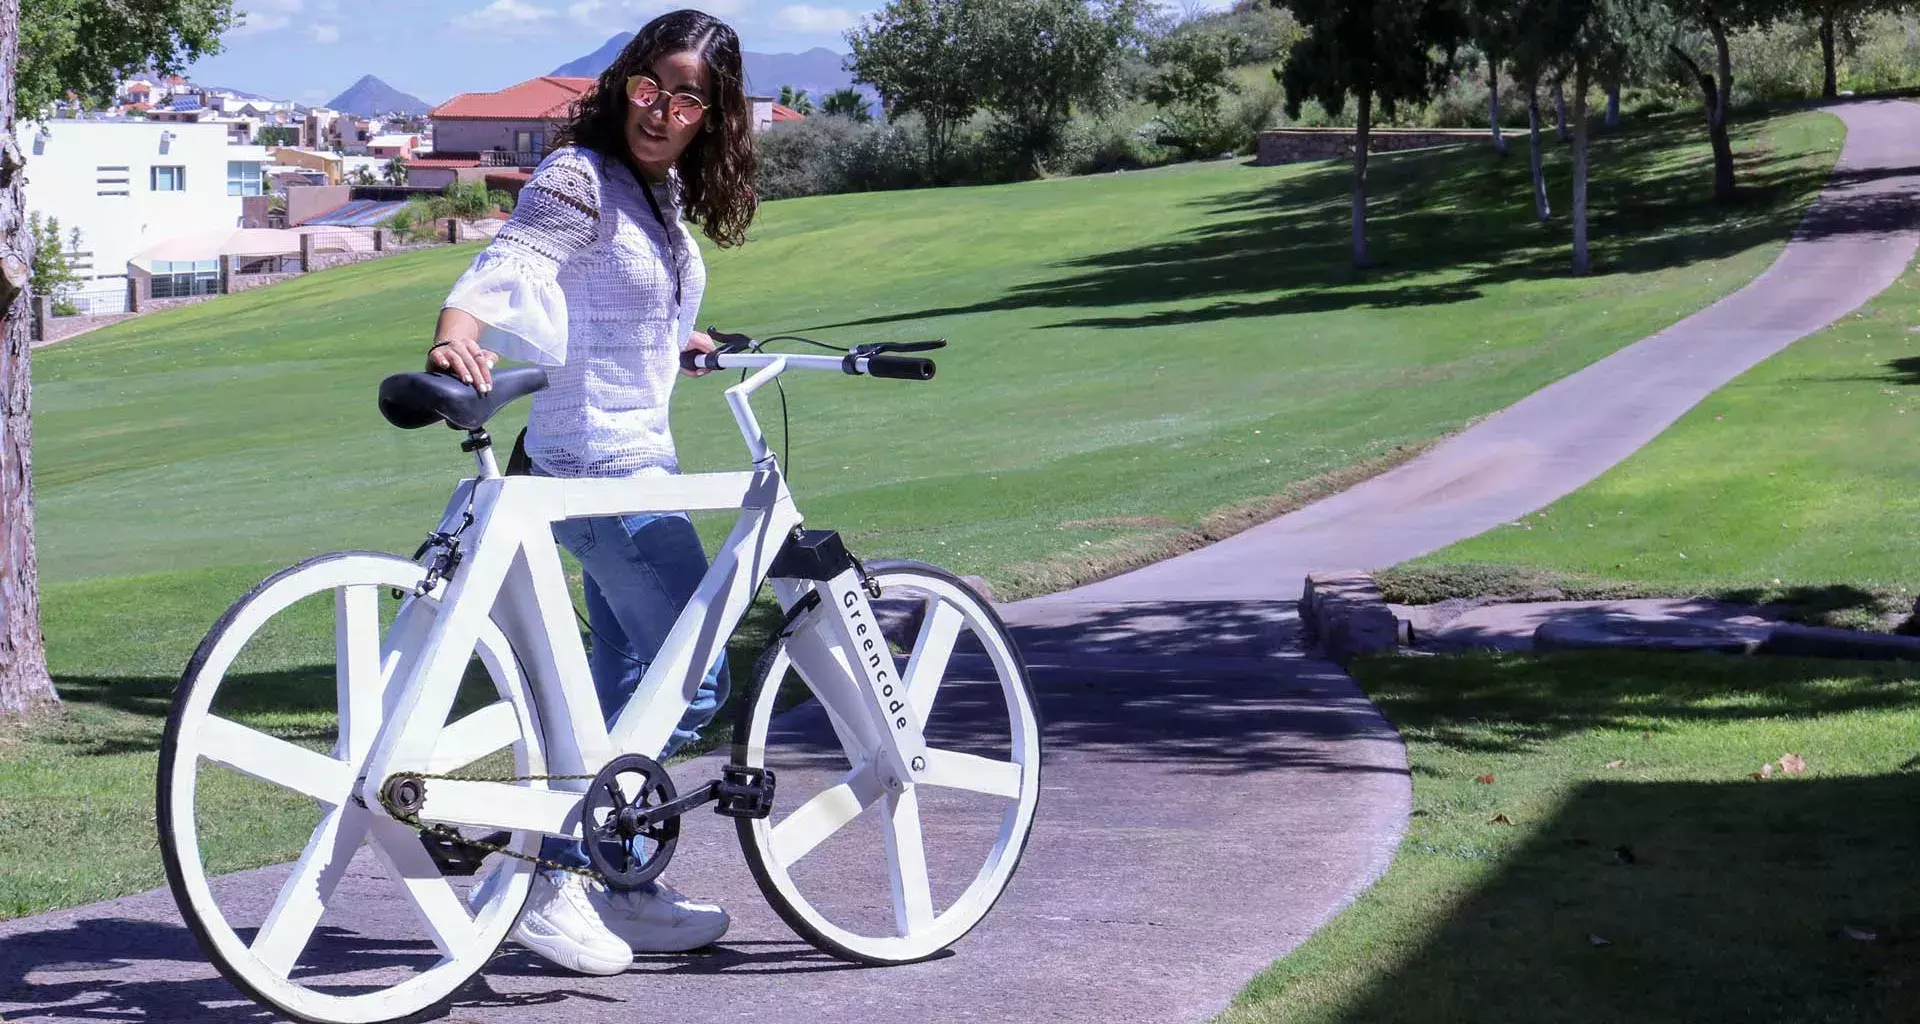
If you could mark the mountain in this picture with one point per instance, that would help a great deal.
(818, 70)
(370, 96)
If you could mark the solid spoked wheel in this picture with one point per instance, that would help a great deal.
(888, 871)
(270, 729)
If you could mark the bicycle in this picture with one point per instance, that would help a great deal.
(480, 663)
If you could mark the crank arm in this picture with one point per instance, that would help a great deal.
(741, 792)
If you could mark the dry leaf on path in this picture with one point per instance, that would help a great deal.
(1858, 934)
(1793, 764)
(1501, 819)
(1485, 780)
(1755, 776)
(1616, 764)
(1598, 941)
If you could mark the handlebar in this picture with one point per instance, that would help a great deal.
(879, 365)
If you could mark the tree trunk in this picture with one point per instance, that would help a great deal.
(1829, 84)
(1362, 127)
(1493, 104)
(1613, 103)
(1579, 208)
(23, 654)
(1540, 207)
(1560, 107)
(1717, 105)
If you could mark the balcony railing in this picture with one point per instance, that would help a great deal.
(502, 158)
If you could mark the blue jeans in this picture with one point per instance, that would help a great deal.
(640, 571)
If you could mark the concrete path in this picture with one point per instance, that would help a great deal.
(1209, 800)
(1855, 240)
(1211, 795)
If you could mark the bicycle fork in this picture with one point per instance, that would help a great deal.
(838, 647)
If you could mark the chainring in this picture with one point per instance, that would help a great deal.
(622, 845)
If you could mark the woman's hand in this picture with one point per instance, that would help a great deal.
(699, 342)
(465, 359)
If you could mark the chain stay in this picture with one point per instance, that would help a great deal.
(453, 835)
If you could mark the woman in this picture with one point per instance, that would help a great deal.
(596, 277)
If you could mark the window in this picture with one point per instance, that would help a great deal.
(243, 178)
(169, 179)
(529, 142)
(182, 278)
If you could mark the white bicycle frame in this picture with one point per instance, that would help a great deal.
(511, 574)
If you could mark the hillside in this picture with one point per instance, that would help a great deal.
(817, 70)
(370, 96)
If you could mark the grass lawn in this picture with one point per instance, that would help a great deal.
(1590, 844)
(1140, 361)
(1799, 481)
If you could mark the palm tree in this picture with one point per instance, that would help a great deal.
(362, 175)
(396, 171)
(795, 100)
(847, 103)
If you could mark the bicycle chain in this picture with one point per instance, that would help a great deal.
(453, 835)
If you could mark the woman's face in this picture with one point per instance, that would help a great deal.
(655, 136)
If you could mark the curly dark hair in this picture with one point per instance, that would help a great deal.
(717, 168)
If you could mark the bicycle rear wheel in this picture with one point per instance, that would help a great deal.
(888, 875)
(270, 730)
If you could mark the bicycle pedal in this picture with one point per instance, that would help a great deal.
(744, 792)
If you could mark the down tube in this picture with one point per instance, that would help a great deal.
(700, 633)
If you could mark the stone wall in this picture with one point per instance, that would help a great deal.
(62, 327)
(1294, 145)
(247, 282)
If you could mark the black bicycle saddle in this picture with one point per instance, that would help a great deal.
(413, 400)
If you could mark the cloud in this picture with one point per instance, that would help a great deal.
(260, 16)
(508, 18)
(817, 21)
(611, 16)
(326, 34)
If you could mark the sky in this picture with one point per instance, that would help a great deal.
(311, 50)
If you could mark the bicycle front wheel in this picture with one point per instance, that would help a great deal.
(884, 875)
(270, 731)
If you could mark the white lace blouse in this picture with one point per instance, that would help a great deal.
(580, 280)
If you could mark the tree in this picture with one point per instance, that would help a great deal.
(1836, 18)
(925, 58)
(795, 100)
(362, 175)
(1041, 59)
(1192, 74)
(1684, 21)
(847, 103)
(1377, 51)
(395, 172)
(87, 46)
(53, 270)
(82, 46)
(1492, 25)
(277, 135)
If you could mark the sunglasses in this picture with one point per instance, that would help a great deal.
(683, 107)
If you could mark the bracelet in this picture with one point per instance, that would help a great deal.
(437, 344)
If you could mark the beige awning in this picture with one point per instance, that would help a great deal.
(211, 245)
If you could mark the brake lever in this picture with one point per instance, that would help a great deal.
(726, 343)
(882, 347)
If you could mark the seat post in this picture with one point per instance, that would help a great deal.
(480, 443)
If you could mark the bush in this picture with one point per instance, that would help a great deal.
(1116, 141)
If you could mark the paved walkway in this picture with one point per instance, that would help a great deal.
(1212, 796)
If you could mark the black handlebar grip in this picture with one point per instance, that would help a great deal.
(900, 367)
(690, 360)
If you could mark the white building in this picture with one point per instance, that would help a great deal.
(129, 185)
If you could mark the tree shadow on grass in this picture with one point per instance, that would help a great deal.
(1446, 225)
(1507, 704)
(1732, 902)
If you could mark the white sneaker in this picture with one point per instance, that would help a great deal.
(561, 923)
(656, 919)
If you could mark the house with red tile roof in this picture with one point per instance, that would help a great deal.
(511, 129)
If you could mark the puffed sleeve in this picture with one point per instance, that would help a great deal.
(513, 285)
